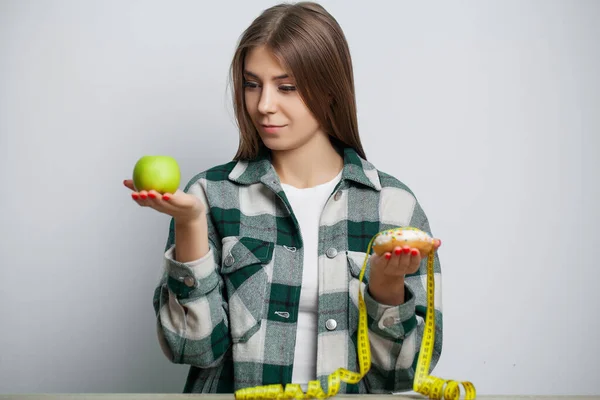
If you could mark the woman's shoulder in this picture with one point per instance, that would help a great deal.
(214, 174)
(389, 181)
(369, 173)
(399, 204)
(383, 180)
(234, 172)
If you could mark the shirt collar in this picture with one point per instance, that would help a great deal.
(260, 169)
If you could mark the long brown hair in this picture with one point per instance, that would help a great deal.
(312, 47)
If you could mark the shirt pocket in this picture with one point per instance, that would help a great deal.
(355, 261)
(243, 268)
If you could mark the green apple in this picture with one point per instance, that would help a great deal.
(160, 173)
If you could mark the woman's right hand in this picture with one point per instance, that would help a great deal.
(182, 206)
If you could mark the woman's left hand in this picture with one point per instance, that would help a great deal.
(386, 278)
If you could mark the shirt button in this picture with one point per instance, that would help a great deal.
(337, 195)
(189, 281)
(330, 324)
(229, 260)
(389, 321)
(331, 252)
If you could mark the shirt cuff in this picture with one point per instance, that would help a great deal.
(193, 278)
(394, 322)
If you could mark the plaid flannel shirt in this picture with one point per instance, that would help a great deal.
(231, 315)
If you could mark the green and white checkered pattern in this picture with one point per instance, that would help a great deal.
(232, 314)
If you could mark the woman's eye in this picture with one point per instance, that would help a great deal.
(254, 85)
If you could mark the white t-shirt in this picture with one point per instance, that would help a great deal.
(307, 205)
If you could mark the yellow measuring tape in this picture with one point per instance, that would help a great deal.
(431, 386)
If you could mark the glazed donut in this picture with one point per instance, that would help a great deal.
(388, 240)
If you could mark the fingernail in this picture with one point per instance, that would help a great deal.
(152, 195)
(439, 242)
(398, 251)
(143, 196)
(166, 197)
(134, 196)
(406, 250)
(414, 252)
(388, 256)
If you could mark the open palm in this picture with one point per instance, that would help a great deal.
(179, 205)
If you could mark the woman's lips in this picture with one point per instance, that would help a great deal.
(273, 128)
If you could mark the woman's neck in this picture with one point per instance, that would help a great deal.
(312, 164)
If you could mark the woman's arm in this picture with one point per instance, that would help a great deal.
(192, 321)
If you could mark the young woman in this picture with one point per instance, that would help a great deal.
(264, 252)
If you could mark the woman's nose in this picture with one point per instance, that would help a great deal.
(267, 103)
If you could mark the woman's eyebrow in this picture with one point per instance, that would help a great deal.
(246, 72)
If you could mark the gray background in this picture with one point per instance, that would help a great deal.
(488, 110)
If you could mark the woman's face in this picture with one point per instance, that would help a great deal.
(278, 112)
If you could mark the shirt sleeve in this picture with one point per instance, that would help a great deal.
(396, 332)
(191, 312)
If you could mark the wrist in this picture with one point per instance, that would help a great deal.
(389, 293)
(190, 222)
(191, 238)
